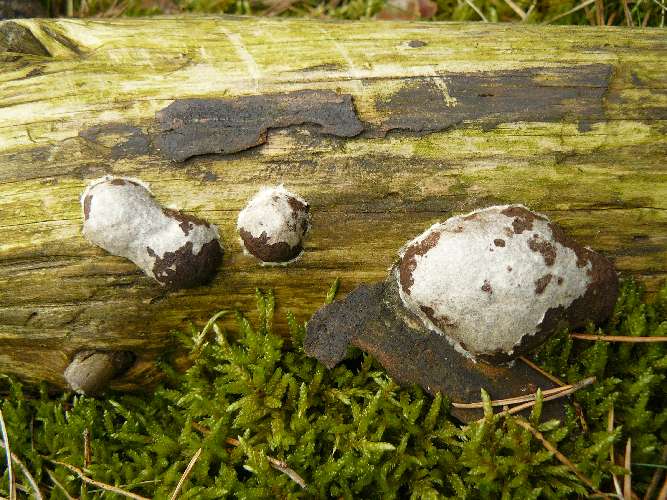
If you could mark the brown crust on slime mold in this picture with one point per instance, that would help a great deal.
(523, 218)
(409, 261)
(542, 246)
(184, 269)
(266, 252)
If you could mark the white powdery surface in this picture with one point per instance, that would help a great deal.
(270, 213)
(125, 220)
(487, 292)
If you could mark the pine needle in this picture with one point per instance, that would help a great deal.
(8, 455)
(185, 475)
(559, 456)
(515, 400)
(548, 375)
(104, 486)
(617, 338)
(279, 465)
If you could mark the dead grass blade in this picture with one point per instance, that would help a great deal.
(610, 428)
(8, 455)
(627, 480)
(87, 450)
(185, 475)
(104, 486)
(628, 14)
(31, 480)
(599, 13)
(657, 475)
(663, 491)
(617, 338)
(517, 9)
(476, 9)
(58, 485)
(571, 11)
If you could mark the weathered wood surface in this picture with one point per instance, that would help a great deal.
(570, 121)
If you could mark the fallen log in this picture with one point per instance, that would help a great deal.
(383, 127)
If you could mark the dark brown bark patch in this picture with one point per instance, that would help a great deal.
(409, 260)
(191, 127)
(133, 142)
(499, 242)
(488, 98)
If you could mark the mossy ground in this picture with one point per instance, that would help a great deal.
(350, 432)
(600, 12)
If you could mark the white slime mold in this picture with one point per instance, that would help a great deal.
(176, 250)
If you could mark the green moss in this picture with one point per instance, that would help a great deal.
(350, 432)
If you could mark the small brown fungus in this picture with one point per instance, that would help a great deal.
(175, 249)
(91, 371)
(273, 225)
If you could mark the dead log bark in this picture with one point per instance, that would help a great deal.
(385, 128)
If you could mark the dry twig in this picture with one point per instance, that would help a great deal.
(185, 475)
(104, 486)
